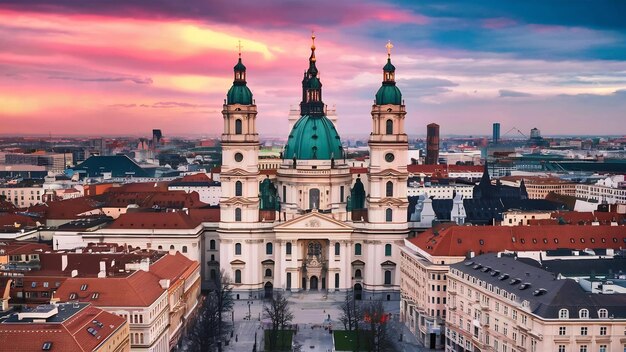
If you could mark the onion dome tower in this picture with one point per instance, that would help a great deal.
(239, 202)
(313, 136)
(387, 200)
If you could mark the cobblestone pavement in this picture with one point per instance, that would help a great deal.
(313, 314)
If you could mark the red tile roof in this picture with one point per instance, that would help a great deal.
(576, 217)
(174, 267)
(139, 289)
(9, 222)
(139, 187)
(161, 199)
(65, 209)
(23, 247)
(205, 214)
(358, 170)
(199, 177)
(155, 220)
(443, 170)
(70, 335)
(460, 240)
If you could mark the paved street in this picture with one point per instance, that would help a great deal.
(311, 314)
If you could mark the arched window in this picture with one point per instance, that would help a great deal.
(357, 274)
(603, 313)
(387, 277)
(387, 250)
(563, 314)
(357, 249)
(337, 248)
(160, 247)
(237, 276)
(237, 248)
(389, 127)
(238, 126)
(212, 245)
(172, 247)
(583, 314)
(314, 198)
(269, 248)
(268, 272)
(237, 214)
(184, 249)
(288, 248)
(238, 189)
(389, 189)
(388, 215)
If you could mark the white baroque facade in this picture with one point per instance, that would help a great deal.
(314, 227)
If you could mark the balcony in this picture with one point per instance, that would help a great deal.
(583, 338)
(484, 306)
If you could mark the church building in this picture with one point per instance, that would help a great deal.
(315, 227)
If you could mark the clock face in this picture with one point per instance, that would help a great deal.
(389, 157)
(238, 157)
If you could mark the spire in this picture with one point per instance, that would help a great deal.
(388, 92)
(312, 87)
(239, 93)
(312, 71)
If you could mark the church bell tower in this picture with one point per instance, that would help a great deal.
(387, 200)
(239, 202)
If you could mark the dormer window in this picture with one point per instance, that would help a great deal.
(603, 313)
(583, 314)
(563, 314)
(95, 295)
(72, 296)
(83, 287)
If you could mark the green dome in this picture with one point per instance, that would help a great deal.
(240, 66)
(239, 94)
(313, 138)
(388, 94)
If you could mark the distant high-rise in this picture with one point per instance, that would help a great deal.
(432, 144)
(496, 133)
(156, 137)
(535, 133)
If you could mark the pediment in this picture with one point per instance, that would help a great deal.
(389, 172)
(358, 262)
(267, 262)
(237, 262)
(235, 172)
(387, 263)
(313, 222)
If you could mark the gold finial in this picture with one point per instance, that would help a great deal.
(312, 40)
(239, 46)
(389, 46)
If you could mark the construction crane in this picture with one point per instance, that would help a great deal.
(518, 131)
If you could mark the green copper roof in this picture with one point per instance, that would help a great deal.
(314, 83)
(389, 67)
(240, 66)
(239, 94)
(313, 138)
(388, 94)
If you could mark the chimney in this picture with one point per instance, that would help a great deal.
(145, 264)
(165, 283)
(103, 268)
(63, 262)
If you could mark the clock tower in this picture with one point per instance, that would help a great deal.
(387, 199)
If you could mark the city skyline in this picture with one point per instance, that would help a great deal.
(70, 67)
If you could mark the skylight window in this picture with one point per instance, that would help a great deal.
(95, 295)
(72, 296)
(515, 281)
(524, 286)
(47, 346)
(83, 287)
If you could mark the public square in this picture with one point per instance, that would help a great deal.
(313, 314)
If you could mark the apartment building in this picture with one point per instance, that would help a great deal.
(498, 303)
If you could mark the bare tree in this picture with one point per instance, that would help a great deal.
(376, 321)
(210, 331)
(280, 315)
(350, 312)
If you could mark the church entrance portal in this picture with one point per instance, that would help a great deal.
(313, 283)
(269, 290)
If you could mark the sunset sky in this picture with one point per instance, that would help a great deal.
(106, 67)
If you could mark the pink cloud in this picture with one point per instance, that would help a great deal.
(498, 23)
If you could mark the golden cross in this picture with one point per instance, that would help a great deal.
(389, 46)
(239, 46)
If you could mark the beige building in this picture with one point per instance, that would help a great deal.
(539, 187)
(23, 196)
(521, 218)
(425, 262)
(501, 304)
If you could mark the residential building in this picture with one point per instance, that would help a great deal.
(64, 327)
(611, 190)
(498, 303)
